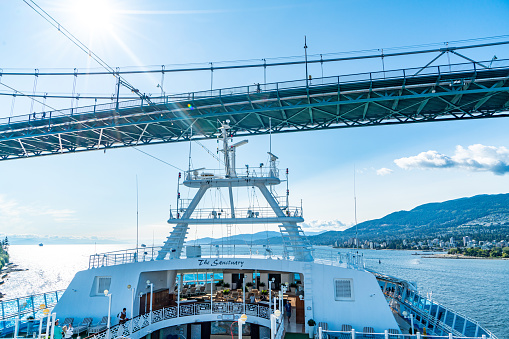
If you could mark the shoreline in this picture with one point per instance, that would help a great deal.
(458, 256)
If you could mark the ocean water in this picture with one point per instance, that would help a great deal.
(473, 287)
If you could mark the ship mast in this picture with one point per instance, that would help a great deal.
(284, 215)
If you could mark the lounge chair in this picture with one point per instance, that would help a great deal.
(393, 333)
(368, 332)
(83, 326)
(324, 327)
(202, 289)
(100, 326)
(345, 328)
(68, 321)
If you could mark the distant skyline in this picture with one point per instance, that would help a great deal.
(397, 167)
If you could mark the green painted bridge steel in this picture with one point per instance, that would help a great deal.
(438, 93)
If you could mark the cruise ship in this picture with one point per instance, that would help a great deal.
(190, 291)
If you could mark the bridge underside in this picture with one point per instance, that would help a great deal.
(335, 102)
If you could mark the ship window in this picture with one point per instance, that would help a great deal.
(343, 289)
(103, 283)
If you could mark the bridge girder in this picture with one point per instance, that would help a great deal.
(286, 107)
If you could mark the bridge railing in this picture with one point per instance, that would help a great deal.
(212, 251)
(44, 118)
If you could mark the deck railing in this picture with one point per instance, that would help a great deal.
(24, 307)
(322, 256)
(230, 311)
(429, 314)
(409, 73)
(324, 334)
(216, 214)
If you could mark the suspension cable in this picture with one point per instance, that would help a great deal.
(313, 59)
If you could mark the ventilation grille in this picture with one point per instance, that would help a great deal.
(343, 289)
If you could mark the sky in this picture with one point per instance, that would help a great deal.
(93, 194)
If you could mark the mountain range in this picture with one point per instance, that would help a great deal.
(458, 217)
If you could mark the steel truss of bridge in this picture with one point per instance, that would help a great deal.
(438, 93)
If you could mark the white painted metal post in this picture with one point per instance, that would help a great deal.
(244, 295)
(178, 296)
(270, 294)
(47, 324)
(484, 336)
(272, 326)
(40, 327)
(450, 335)
(211, 291)
(16, 324)
(240, 329)
(418, 335)
(386, 333)
(412, 323)
(109, 313)
(131, 323)
(281, 301)
(320, 332)
(353, 333)
(151, 298)
(275, 301)
(53, 319)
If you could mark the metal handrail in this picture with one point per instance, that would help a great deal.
(28, 305)
(322, 256)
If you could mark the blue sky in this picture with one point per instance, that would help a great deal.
(93, 193)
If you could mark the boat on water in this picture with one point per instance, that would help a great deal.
(41, 244)
(182, 290)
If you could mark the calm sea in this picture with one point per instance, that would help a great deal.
(475, 288)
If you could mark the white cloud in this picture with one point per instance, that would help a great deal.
(14, 214)
(473, 158)
(383, 171)
(324, 225)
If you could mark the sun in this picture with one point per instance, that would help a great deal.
(94, 16)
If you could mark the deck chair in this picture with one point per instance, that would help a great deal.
(345, 328)
(192, 291)
(202, 289)
(83, 326)
(393, 333)
(324, 327)
(68, 321)
(100, 326)
(368, 332)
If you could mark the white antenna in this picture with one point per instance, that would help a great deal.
(190, 143)
(355, 210)
(270, 135)
(137, 216)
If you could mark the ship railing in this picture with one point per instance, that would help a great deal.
(330, 256)
(27, 306)
(451, 73)
(243, 172)
(430, 314)
(387, 334)
(223, 213)
(228, 310)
